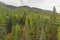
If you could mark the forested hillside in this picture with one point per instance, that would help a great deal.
(26, 23)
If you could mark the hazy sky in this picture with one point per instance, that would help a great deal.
(43, 4)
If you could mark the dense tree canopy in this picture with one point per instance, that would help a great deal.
(29, 24)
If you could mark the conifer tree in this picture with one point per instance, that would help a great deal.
(15, 32)
(2, 28)
(53, 26)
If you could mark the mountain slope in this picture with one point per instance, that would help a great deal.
(21, 9)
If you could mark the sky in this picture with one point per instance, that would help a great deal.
(43, 4)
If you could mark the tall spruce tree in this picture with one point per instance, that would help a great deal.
(53, 26)
(15, 32)
(2, 28)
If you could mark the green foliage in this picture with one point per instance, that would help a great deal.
(3, 30)
(15, 32)
(29, 24)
